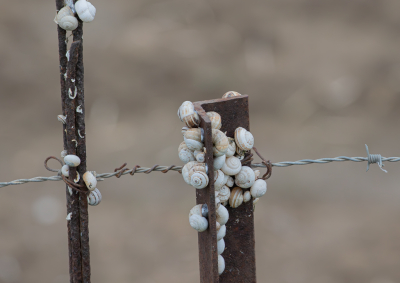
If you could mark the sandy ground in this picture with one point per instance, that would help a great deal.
(323, 80)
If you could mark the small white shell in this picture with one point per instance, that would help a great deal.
(199, 209)
(231, 94)
(259, 188)
(199, 180)
(85, 10)
(198, 223)
(219, 162)
(222, 215)
(186, 155)
(215, 119)
(94, 198)
(221, 264)
(65, 19)
(236, 197)
(246, 196)
(244, 139)
(200, 156)
(184, 129)
(220, 246)
(72, 160)
(193, 139)
(65, 170)
(224, 194)
(231, 147)
(90, 180)
(230, 181)
(257, 173)
(62, 119)
(221, 233)
(218, 180)
(190, 168)
(232, 166)
(245, 178)
(188, 115)
(220, 142)
(63, 153)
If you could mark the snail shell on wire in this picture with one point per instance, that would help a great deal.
(236, 197)
(199, 209)
(221, 264)
(90, 180)
(230, 182)
(94, 198)
(199, 155)
(72, 160)
(231, 147)
(231, 94)
(199, 180)
(65, 19)
(188, 115)
(220, 142)
(246, 196)
(219, 178)
(219, 162)
(222, 215)
(221, 233)
(193, 139)
(245, 178)
(224, 194)
(65, 170)
(259, 188)
(85, 10)
(220, 246)
(215, 119)
(198, 223)
(232, 166)
(191, 167)
(244, 139)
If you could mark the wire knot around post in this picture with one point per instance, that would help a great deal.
(374, 158)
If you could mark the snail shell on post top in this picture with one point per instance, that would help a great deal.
(194, 139)
(232, 166)
(246, 196)
(219, 162)
(244, 139)
(188, 115)
(72, 160)
(221, 264)
(245, 178)
(85, 10)
(222, 215)
(224, 194)
(220, 142)
(65, 19)
(199, 180)
(94, 198)
(215, 119)
(90, 180)
(218, 179)
(199, 223)
(259, 188)
(231, 147)
(221, 233)
(236, 197)
(231, 94)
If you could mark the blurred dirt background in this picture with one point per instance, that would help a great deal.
(323, 80)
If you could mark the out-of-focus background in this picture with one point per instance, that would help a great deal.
(323, 80)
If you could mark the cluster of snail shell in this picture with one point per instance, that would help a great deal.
(66, 19)
(70, 160)
(234, 184)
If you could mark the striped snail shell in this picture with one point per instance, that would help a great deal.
(245, 178)
(244, 139)
(220, 246)
(246, 196)
(219, 178)
(65, 19)
(259, 188)
(190, 168)
(215, 119)
(224, 194)
(221, 264)
(232, 166)
(219, 162)
(199, 223)
(221, 233)
(94, 198)
(222, 215)
(231, 94)
(85, 10)
(231, 147)
(194, 139)
(184, 153)
(199, 180)
(188, 115)
(236, 197)
(220, 142)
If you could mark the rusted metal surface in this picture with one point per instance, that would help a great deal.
(239, 255)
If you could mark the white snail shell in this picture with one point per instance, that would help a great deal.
(221, 233)
(259, 188)
(217, 226)
(222, 215)
(219, 178)
(217, 202)
(65, 170)
(230, 181)
(236, 197)
(246, 196)
(65, 19)
(90, 180)
(255, 201)
(199, 223)
(85, 10)
(199, 180)
(231, 147)
(220, 142)
(245, 178)
(231, 94)
(224, 194)
(200, 156)
(215, 119)
(188, 115)
(199, 209)
(219, 162)
(221, 264)
(244, 139)
(193, 139)
(257, 173)
(94, 198)
(72, 160)
(64, 153)
(62, 119)
(220, 246)
(232, 166)
(191, 167)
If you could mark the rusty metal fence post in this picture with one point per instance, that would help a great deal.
(239, 255)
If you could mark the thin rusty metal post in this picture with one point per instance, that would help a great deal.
(239, 255)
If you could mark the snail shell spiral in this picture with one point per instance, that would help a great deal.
(236, 197)
(94, 198)
(245, 178)
(232, 166)
(244, 139)
(215, 119)
(199, 180)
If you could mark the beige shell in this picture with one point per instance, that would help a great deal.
(231, 147)
(215, 119)
(224, 194)
(199, 180)
(188, 115)
(221, 233)
(245, 178)
(218, 179)
(65, 19)
(78, 177)
(90, 180)
(62, 119)
(193, 139)
(85, 10)
(219, 162)
(222, 215)
(259, 188)
(230, 181)
(220, 142)
(232, 166)
(65, 170)
(217, 226)
(94, 198)
(199, 209)
(199, 155)
(198, 223)
(72, 160)
(186, 155)
(255, 201)
(257, 173)
(236, 197)
(246, 196)
(244, 139)
(220, 246)
(231, 94)
(221, 264)
(191, 167)
(184, 129)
